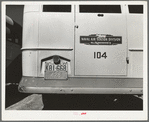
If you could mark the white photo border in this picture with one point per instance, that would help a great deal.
(9, 115)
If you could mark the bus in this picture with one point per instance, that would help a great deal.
(83, 48)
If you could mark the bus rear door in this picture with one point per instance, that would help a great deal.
(100, 40)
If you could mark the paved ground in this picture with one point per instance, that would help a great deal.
(32, 102)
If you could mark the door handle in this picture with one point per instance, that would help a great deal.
(100, 15)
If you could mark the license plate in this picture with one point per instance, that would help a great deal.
(53, 71)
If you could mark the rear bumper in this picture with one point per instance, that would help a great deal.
(79, 85)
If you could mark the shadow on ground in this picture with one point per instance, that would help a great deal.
(13, 95)
(13, 77)
(92, 102)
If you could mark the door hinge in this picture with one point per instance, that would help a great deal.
(76, 26)
(127, 60)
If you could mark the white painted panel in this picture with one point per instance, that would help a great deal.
(32, 8)
(29, 62)
(136, 64)
(30, 30)
(56, 29)
(113, 24)
(135, 30)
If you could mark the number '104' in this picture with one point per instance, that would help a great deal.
(99, 55)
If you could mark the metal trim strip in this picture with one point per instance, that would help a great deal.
(46, 48)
